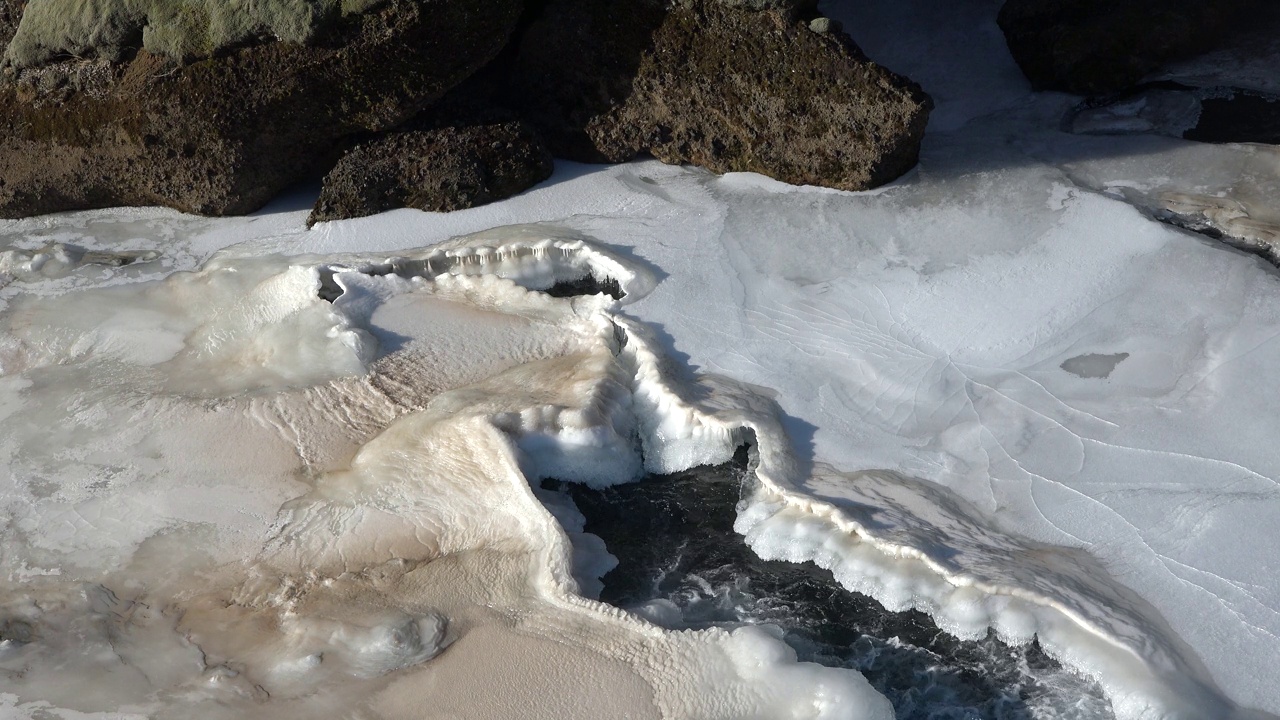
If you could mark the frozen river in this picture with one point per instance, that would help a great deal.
(255, 469)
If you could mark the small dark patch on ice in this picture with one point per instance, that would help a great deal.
(116, 259)
(17, 632)
(41, 488)
(1093, 365)
(674, 539)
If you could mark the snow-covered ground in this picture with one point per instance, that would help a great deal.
(998, 390)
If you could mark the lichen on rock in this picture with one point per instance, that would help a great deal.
(729, 86)
(180, 29)
(225, 134)
(452, 166)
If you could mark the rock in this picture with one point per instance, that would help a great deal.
(1103, 46)
(719, 85)
(223, 135)
(438, 169)
(824, 25)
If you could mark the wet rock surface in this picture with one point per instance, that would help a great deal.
(720, 85)
(681, 564)
(1104, 46)
(225, 134)
(438, 169)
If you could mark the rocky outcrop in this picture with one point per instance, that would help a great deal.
(150, 107)
(1103, 46)
(729, 86)
(449, 167)
(224, 134)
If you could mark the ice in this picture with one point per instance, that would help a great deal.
(1157, 110)
(904, 353)
(385, 439)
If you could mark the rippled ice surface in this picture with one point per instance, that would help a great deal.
(681, 564)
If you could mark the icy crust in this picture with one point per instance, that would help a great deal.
(406, 574)
(237, 326)
(522, 254)
(1224, 192)
(948, 564)
(433, 532)
(914, 545)
(456, 478)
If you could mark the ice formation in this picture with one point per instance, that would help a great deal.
(485, 384)
(178, 568)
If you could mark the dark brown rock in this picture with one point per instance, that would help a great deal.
(439, 169)
(718, 84)
(225, 134)
(1103, 46)
(10, 14)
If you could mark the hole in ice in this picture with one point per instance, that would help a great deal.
(681, 565)
(587, 285)
(1216, 114)
(1093, 365)
(583, 283)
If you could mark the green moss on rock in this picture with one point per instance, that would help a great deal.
(180, 29)
(225, 134)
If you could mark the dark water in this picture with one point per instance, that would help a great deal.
(674, 540)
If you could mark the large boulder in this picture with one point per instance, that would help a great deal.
(223, 134)
(1103, 46)
(452, 166)
(730, 85)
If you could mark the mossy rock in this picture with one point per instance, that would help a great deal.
(224, 134)
(180, 29)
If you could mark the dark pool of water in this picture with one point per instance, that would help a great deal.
(674, 540)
